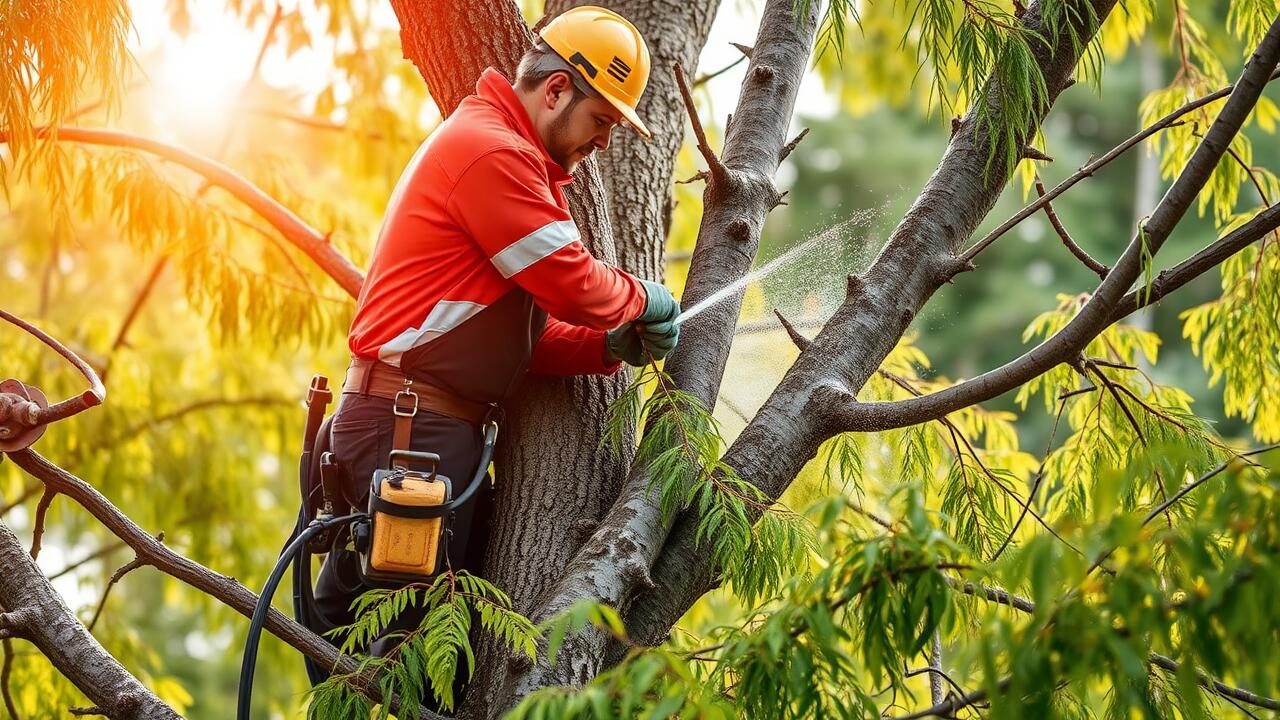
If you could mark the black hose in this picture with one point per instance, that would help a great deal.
(264, 605)
(482, 470)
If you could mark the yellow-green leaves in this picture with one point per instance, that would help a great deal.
(1236, 335)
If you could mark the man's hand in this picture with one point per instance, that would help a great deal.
(659, 306)
(655, 333)
(624, 344)
(630, 342)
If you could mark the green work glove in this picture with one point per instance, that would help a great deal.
(630, 342)
(659, 338)
(624, 344)
(655, 330)
(660, 305)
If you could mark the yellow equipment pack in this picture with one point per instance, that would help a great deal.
(407, 534)
(406, 545)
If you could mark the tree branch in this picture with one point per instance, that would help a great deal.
(101, 552)
(1098, 268)
(135, 308)
(91, 397)
(120, 572)
(1167, 281)
(1095, 316)
(711, 76)
(152, 552)
(5, 670)
(959, 437)
(632, 533)
(1003, 597)
(880, 303)
(797, 338)
(714, 166)
(37, 527)
(38, 613)
(307, 239)
(1090, 168)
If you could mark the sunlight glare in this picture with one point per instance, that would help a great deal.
(199, 78)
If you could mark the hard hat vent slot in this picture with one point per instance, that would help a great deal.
(618, 69)
(585, 64)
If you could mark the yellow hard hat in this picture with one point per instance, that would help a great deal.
(609, 53)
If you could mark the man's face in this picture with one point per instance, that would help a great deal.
(578, 126)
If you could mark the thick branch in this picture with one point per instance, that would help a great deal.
(1166, 281)
(920, 255)
(631, 535)
(37, 612)
(307, 239)
(1062, 347)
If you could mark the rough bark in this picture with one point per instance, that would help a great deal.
(34, 611)
(617, 558)
(919, 257)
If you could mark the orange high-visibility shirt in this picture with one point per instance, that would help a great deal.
(476, 250)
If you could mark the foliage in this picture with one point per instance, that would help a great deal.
(426, 657)
(1236, 335)
(752, 542)
(834, 643)
(53, 53)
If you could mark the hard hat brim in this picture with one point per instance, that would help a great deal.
(627, 113)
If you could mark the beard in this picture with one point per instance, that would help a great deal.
(559, 147)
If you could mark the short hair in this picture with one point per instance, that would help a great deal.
(540, 62)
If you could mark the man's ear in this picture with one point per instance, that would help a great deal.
(557, 86)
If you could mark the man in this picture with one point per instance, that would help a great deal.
(479, 275)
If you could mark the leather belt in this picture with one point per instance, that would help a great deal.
(376, 378)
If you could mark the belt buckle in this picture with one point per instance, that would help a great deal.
(406, 393)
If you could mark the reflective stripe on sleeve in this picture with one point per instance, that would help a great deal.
(445, 316)
(533, 247)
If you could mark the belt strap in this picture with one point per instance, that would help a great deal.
(408, 396)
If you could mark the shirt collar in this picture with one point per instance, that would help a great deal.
(495, 89)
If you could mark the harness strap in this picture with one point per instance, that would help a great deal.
(418, 512)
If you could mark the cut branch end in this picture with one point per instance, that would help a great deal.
(739, 229)
(1030, 153)
(716, 168)
(797, 338)
(786, 149)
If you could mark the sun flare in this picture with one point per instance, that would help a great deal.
(197, 80)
